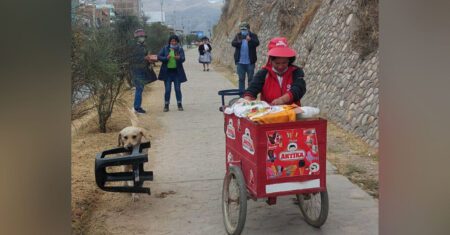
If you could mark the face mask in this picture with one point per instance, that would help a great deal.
(173, 47)
(244, 32)
(280, 73)
(141, 39)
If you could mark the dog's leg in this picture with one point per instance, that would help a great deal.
(134, 197)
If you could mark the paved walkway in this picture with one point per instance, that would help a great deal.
(189, 160)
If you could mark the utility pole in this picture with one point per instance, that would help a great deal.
(162, 3)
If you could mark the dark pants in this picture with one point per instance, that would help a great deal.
(242, 69)
(138, 76)
(172, 77)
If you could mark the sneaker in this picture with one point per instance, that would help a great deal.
(166, 108)
(180, 107)
(139, 110)
(207, 69)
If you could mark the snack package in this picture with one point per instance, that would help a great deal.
(308, 112)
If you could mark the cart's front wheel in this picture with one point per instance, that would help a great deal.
(314, 207)
(234, 201)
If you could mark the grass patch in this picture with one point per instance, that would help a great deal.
(352, 169)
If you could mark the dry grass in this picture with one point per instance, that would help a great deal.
(86, 142)
(365, 38)
(353, 158)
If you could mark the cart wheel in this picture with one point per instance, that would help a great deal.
(234, 201)
(314, 207)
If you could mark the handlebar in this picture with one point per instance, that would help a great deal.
(228, 92)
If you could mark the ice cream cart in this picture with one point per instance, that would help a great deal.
(264, 161)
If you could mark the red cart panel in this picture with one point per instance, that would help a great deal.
(278, 159)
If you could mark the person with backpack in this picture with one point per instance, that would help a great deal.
(279, 81)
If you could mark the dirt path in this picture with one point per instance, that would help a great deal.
(187, 158)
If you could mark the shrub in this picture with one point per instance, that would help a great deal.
(101, 73)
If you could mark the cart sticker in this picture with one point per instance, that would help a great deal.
(313, 168)
(247, 142)
(229, 157)
(274, 171)
(290, 170)
(292, 152)
(271, 155)
(231, 133)
(274, 140)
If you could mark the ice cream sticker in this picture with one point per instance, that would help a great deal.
(247, 142)
(229, 157)
(231, 133)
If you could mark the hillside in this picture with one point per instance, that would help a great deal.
(337, 43)
(192, 14)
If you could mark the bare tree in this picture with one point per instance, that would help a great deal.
(101, 73)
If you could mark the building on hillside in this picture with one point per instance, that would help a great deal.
(199, 34)
(128, 7)
(104, 14)
(85, 15)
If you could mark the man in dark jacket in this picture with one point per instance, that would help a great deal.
(138, 68)
(245, 43)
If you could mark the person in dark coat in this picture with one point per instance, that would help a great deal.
(245, 43)
(172, 71)
(138, 68)
(205, 53)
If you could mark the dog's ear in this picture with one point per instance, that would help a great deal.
(142, 134)
(119, 141)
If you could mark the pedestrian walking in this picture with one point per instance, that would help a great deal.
(204, 50)
(245, 43)
(172, 71)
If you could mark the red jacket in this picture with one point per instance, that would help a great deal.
(266, 82)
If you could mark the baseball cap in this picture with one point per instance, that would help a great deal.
(244, 25)
(278, 47)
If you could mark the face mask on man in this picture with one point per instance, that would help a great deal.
(244, 32)
(141, 39)
(173, 46)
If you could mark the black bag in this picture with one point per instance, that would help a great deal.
(150, 75)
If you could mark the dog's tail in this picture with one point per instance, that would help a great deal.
(133, 118)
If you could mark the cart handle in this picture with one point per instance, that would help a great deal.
(228, 92)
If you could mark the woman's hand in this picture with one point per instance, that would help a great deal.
(248, 98)
(281, 100)
(277, 101)
(177, 57)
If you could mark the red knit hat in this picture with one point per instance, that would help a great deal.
(278, 47)
(139, 33)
